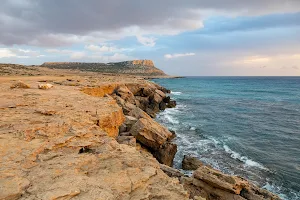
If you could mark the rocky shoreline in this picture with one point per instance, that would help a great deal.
(92, 136)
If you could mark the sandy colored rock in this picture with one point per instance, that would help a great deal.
(45, 86)
(166, 153)
(171, 171)
(128, 140)
(150, 133)
(191, 163)
(20, 84)
(125, 94)
(139, 113)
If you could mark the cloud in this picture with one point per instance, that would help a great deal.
(177, 55)
(18, 53)
(62, 23)
(77, 55)
(146, 41)
(100, 48)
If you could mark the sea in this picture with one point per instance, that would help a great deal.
(246, 126)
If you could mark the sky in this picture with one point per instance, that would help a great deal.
(191, 37)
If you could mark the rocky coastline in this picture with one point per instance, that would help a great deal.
(92, 136)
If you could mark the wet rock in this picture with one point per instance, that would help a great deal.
(20, 84)
(191, 163)
(173, 135)
(150, 133)
(162, 106)
(171, 171)
(167, 99)
(171, 104)
(166, 153)
(45, 86)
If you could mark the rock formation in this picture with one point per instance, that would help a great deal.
(135, 67)
(94, 137)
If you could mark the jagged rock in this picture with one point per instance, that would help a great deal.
(150, 133)
(138, 113)
(171, 171)
(161, 93)
(173, 135)
(45, 86)
(129, 140)
(129, 122)
(162, 106)
(191, 163)
(166, 153)
(122, 128)
(125, 94)
(143, 102)
(219, 180)
(126, 106)
(20, 84)
(171, 104)
(167, 99)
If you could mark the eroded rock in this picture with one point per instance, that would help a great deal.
(166, 153)
(191, 163)
(150, 133)
(20, 84)
(45, 86)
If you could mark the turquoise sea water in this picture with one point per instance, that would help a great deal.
(247, 126)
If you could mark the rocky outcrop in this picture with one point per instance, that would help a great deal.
(191, 163)
(135, 67)
(64, 144)
(215, 185)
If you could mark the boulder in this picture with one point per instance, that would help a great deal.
(166, 153)
(128, 140)
(150, 133)
(126, 106)
(167, 99)
(191, 163)
(20, 84)
(45, 86)
(173, 135)
(160, 93)
(171, 171)
(129, 122)
(171, 104)
(122, 128)
(219, 180)
(162, 106)
(125, 93)
(138, 113)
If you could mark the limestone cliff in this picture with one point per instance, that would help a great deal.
(135, 67)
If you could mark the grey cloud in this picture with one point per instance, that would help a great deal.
(57, 22)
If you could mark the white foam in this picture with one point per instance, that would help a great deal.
(193, 128)
(176, 93)
(244, 159)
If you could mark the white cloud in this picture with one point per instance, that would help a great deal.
(146, 41)
(77, 55)
(100, 48)
(18, 53)
(177, 55)
(6, 53)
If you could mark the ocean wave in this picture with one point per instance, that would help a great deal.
(244, 159)
(176, 93)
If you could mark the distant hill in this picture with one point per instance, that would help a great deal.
(134, 67)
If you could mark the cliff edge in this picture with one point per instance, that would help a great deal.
(134, 67)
